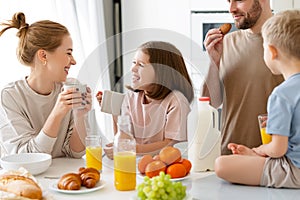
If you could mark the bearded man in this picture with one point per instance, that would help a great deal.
(238, 78)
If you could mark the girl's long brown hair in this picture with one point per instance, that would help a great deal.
(170, 70)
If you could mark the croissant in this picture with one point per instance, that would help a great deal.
(69, 181)
(89, 176)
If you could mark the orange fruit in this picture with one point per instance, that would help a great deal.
(170, 155)
(153, 168)
(143, 162)
(176, 170)
(187, 164)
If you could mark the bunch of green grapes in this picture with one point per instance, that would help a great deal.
(160, 187)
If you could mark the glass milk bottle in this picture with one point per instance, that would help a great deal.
(124, 156)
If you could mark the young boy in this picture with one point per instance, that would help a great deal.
(276, 164)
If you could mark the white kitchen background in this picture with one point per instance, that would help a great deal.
(85, 21)
(172, 20)
(141, 21)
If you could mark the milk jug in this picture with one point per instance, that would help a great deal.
(205, 143)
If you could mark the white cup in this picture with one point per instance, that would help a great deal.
(81, 89)
(112, 102)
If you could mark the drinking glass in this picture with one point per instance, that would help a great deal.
(262, 120)
(93, 151)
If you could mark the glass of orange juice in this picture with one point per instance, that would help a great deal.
(93, 151)
(262, 120)
(125, 170)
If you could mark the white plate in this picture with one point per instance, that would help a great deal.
(172, 179)
(82, 190)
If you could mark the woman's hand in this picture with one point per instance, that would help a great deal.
(67, 100)
(85, 104)
(214, 45)
(99, 97)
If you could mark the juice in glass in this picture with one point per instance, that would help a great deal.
(125, 170)
(262, 120)
(266, 138)
(94, 157)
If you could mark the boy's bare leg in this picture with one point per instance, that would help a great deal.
(241, 169)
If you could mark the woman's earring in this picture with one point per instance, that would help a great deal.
(45, 62)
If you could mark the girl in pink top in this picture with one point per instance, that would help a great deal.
(159, 98)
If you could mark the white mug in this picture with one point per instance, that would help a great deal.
(81, 89)
(112, 102)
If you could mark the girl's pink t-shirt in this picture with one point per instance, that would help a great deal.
(158, 119)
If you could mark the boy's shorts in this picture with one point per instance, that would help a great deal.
(280, 173)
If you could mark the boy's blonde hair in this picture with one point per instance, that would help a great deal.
(283, 31)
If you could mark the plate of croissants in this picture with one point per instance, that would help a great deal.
(86, 180)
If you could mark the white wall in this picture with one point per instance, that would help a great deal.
(164, 14)
(297, 4)
(11, 69)
(280, 5)
(145, 20)
(34, 10)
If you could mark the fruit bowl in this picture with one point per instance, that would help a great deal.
(34, 163)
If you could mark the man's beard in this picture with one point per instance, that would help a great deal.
(251, 17)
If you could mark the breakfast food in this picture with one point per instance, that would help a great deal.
(153, 168)
(20, 186)
(176, 170)
(156, 157)
(143, 162)
(225, 28)
(170, 155)
(187, 164)
(69, 181)
(165, 188)
(89, 177)
(168, 160)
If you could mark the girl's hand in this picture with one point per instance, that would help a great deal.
(99, 97)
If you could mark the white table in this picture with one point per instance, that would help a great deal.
(61, 166)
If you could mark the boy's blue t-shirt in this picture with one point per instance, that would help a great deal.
(284, 115)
